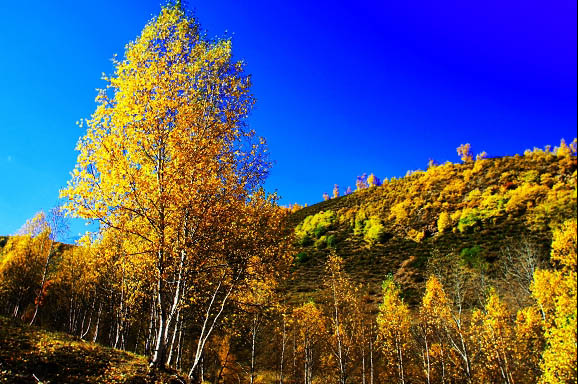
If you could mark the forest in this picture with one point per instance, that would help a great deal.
(460, 273)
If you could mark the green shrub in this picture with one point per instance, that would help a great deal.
(316, 225)
(359, 227)
(302, 257)
(374, 232)
(359, 223)
(469, 219)
(472, 258)
(320, 230)
(321, 243)
(305, 240)
(331, 241)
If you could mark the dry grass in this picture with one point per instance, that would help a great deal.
(31, 355)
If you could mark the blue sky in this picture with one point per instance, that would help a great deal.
(341, 88)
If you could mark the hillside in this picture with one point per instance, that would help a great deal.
(472, 226)
(30, 355)
(476, 210)
(491, 205)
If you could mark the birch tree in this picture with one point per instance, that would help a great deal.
(169, 164)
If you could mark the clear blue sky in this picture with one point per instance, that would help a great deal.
(341, 88)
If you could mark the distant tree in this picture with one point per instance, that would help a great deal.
(432, 163)
(335, 191)
(564, 149)
(361, 182)
(444, 222)
(21, 267)
(295, 207)
(348, 191)
(373, 181)
(574, 146)
(465, 152)
(373, 231)
(325, 196)
(481, 156)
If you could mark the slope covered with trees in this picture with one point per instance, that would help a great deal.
(463, 273)
(485, 212)
(365, 300)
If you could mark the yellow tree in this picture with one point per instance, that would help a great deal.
(361, 182)
(465, 152)
(457, 280)
(372, 180)
(434, 318)
(169, 163)
(258, 302)
(394, 332)
(555, 292)
(24, 267)
(496, 339)
(52, 226)
(343, 310)
(308, 325)
(528, 345)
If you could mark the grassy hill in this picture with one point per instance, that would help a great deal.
(31, 355)
(476, 210)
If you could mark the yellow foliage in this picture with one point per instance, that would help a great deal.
(434, 318)
(528, 345)
(394, 331)
(555, 292)
(22, 264)
(414, 235)
(526, 196)
(400, 211)
(496, 338)
(465, 152)
(335, 191)
(444, 222)
(371, 180)
(169, 164)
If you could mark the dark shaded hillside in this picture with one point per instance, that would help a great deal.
(478, 209)
(31, 355)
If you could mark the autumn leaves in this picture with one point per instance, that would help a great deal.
(172, 173)
(191, 252)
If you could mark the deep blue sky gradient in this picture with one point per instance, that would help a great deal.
(341, 88)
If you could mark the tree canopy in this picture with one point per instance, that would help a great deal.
(169, 164)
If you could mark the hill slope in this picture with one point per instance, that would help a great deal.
(476, 210)
(30, 355)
